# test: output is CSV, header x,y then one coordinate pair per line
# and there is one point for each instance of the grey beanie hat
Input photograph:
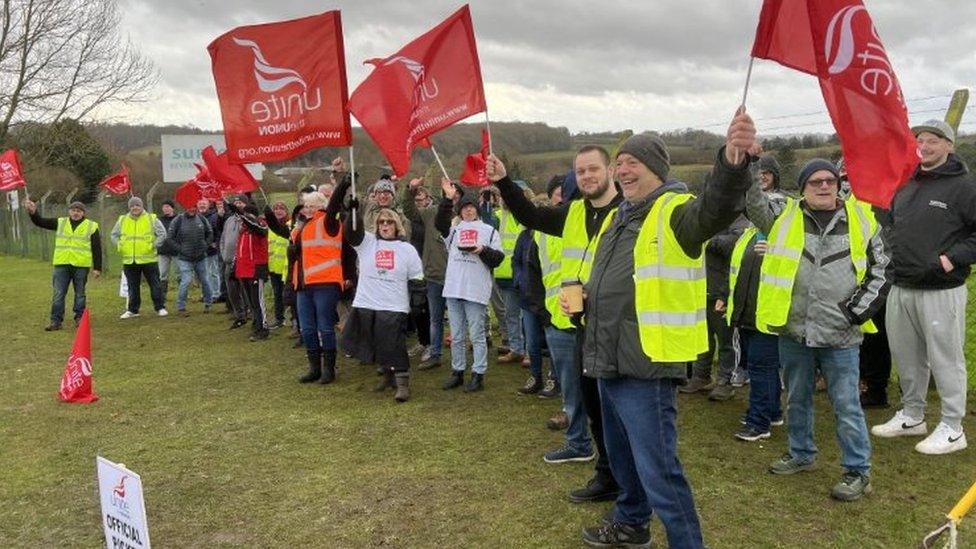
x,y
384,186
135,201
813,166
651,151
76,206
768,163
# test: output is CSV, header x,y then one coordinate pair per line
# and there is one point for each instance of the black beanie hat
x,y
554,183
768,163
467,199
813,166
651,151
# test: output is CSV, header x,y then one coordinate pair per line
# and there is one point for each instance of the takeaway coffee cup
x,y
573,293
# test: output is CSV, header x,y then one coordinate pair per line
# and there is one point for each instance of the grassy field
x,y
233,452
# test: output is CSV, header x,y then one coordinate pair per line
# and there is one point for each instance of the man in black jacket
x,y
933,245
192,235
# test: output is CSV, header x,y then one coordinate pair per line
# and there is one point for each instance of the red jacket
x,y
252,250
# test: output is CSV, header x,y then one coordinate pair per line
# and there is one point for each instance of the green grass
x,y
233,452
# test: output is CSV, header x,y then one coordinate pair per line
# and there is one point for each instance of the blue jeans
x,y
63,276
534,332
317,316
562,349
187,269
436,305
764,384
641,434
214,271
841,371
467,314
513,320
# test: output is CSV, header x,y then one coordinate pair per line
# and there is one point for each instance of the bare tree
x,y
64,58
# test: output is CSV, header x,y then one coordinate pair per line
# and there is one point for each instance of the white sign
x,y
14,199
179,152
123,508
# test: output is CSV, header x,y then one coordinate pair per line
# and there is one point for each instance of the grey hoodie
x,y
228,238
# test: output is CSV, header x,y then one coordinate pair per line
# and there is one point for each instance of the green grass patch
x,y
234,452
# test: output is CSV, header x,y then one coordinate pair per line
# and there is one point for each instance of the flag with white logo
x,y
76,381
11,174
430,84
835,40
282,88
118,182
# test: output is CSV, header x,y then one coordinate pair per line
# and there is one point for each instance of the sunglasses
x,y
820,182
385,222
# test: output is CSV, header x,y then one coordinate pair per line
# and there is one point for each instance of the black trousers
x,y
876,358
134,273
254,292
277,288
236,298
591,401
420,315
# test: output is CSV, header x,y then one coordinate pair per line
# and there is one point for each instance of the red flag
x,y
230,177
475,172
282,88
430,84
118,183
76,382
835,40
200,186
11,174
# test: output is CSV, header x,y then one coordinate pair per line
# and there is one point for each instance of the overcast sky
x,y
587,65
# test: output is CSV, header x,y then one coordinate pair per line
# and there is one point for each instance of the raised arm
x,y
548,219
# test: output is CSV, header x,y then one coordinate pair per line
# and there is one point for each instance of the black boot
x,y
456,380
328,367
602,487
388,381
314,367
477,383
402,387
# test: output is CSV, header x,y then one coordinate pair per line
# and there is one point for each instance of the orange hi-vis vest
x,y
321,253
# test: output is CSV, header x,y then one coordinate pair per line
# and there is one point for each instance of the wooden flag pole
x,y
745,94
439,163
352,176
488,129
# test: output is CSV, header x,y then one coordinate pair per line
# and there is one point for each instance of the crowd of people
x,y
629,284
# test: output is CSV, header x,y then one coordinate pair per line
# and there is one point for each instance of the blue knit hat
x,y
814,166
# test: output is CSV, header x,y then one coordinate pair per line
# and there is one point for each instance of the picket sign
x,y
123,506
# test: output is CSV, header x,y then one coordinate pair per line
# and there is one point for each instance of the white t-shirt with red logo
x,y
468,277
384,268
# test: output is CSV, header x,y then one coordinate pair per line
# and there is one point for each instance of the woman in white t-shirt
x,y
473,249
376,330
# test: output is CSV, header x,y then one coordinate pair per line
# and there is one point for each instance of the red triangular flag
x,y
475,172
76,382
430,84
11,174
835,40
230,177
118,182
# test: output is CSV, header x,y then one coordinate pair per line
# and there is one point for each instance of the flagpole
x,y
352,176
745,94
488,129
439,163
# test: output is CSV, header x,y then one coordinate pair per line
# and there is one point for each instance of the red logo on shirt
x,y
469,237
385,260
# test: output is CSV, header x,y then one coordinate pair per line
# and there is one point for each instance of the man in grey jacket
x,y
824,276
637,374
192,234
230,230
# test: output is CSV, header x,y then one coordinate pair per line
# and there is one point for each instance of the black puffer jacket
x,y
192,235
934,214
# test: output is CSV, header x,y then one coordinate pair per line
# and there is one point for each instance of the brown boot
x,y
510,357
387,381
402,387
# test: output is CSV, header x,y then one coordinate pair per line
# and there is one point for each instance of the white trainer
x,y
162,312
128,314
943,440
900,426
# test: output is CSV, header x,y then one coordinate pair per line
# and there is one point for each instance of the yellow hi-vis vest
x,y
782,261
277,254
578,250
138,241
509,230
735,263
73,246
669,288
551,258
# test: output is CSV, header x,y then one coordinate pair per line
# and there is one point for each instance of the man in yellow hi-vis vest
x,y
822,278
137,234
77,249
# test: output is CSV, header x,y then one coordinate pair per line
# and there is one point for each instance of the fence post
x,y
71,196
42,207
149,197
